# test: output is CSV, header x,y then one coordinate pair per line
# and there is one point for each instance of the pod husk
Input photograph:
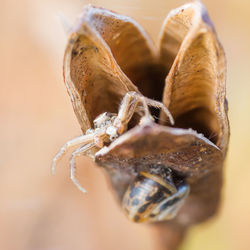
x,y
109,54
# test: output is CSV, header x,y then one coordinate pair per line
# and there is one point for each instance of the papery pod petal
x,y
195,85
185,151
104,53
95,82
131,47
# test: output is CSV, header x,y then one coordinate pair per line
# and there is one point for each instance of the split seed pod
x,y
109,55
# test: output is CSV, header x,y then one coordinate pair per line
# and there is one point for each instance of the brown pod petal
x,y
195,85
188,153
195,94
104,53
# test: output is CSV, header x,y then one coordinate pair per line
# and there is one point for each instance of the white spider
x,y
107,127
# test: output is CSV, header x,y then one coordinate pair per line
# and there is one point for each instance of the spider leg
x,y
83,139
160,105
129,106
79,151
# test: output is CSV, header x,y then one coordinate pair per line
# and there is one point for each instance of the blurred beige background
x,y
41,212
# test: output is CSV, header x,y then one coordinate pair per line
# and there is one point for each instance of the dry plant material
x,y
109,58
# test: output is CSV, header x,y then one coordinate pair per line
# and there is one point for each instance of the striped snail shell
x,y
154,197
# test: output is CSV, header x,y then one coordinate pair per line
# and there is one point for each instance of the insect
x,y
151,196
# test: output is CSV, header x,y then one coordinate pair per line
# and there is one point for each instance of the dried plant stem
x,y
169,237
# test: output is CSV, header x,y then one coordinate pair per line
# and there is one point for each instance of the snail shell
x,y
152,197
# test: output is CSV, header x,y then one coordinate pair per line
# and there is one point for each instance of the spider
x,y
107,128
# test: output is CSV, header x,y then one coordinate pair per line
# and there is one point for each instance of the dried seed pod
x,y
109,55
